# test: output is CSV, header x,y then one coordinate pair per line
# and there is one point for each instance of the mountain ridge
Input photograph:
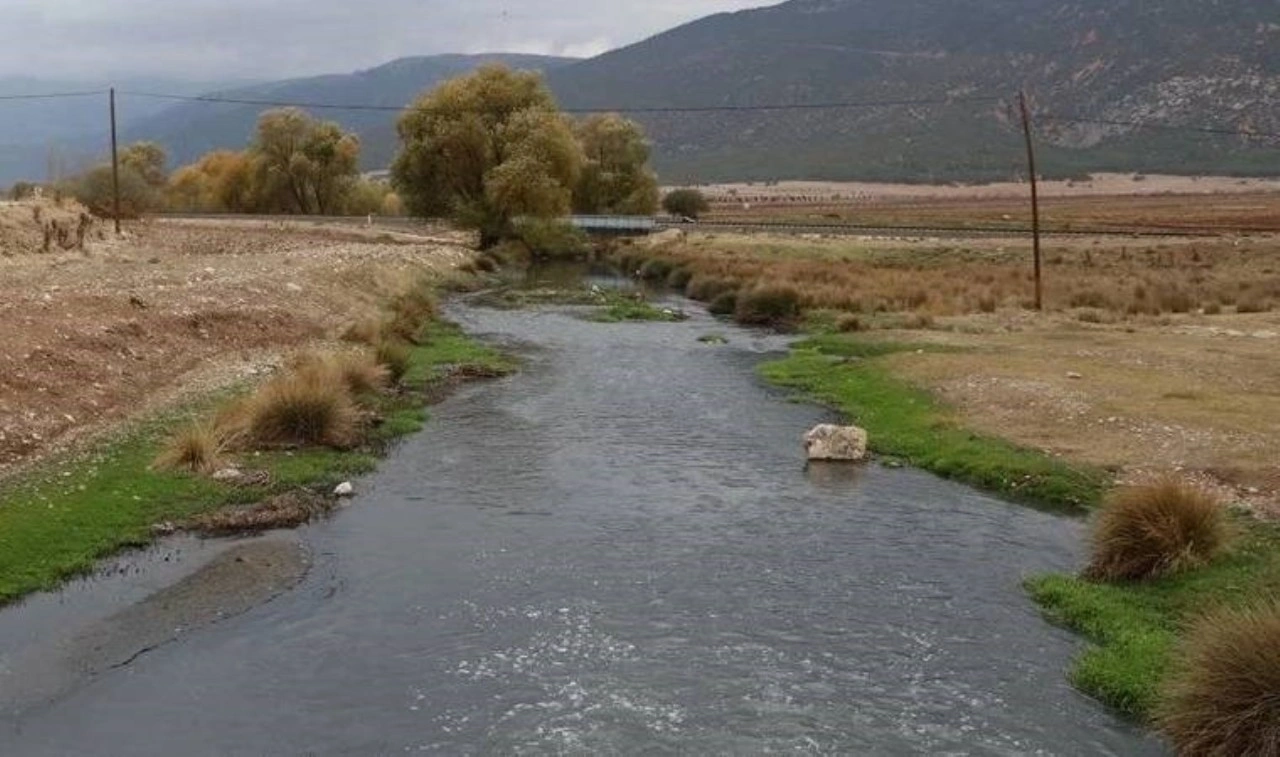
x,y
1089,67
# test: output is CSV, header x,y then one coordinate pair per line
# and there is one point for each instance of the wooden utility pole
x,y
1035,193
115,164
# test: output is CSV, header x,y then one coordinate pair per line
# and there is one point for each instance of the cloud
x,y
213,39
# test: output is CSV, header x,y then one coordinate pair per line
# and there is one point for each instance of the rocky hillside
x,y
1193,62
1183,62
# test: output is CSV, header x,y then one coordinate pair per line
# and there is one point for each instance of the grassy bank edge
x,y
907,423
58,520
1134,629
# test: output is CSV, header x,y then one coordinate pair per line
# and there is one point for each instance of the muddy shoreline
x,y
101,625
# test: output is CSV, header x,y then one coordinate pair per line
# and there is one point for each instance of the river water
x,y
621,551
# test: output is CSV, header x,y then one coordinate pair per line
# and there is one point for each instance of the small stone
x,y
227,474
344,489
292,287
1075,376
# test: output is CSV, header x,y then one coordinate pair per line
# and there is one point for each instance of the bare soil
x,y
175,309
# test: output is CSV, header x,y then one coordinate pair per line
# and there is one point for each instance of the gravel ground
x,y
175,309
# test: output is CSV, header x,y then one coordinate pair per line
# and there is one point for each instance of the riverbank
x,y
1048,409
58,519
1133,629
908,425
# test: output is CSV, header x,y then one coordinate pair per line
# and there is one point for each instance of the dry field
x,y
174,309
1107,202
1153,354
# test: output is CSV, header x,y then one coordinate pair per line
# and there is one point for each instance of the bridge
x,y
615,225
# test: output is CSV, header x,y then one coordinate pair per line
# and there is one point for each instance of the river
x,y
619,550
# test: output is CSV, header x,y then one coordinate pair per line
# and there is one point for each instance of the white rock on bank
x,y
836,443
344,489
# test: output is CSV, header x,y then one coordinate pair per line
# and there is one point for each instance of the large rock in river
x,y
836,443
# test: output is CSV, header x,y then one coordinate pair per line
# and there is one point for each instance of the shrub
x,y
396,357
1222,697
679,278
195,448
725,303
1176,301
685,202
656,270
1152,530
307,406
849,323
553,239
1253,304
767,304
708,288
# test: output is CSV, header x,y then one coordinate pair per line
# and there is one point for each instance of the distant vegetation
x,y
294,165
491,149
685,202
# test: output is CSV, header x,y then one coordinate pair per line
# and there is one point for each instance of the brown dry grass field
x,y
1153,354
1108,202
174,310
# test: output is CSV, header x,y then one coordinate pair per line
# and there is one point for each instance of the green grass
x,y
57,521
622,308
1134,628
909,424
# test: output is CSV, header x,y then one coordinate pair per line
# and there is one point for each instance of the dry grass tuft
x,y
306,406
362,372
767,305
1148,531
285,511
196,448
1223,697
409,314
395,357
368,331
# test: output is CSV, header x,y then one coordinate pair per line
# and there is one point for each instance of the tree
x,y
96,190
302,165
220,182
485,149
616,176
685,202
148,160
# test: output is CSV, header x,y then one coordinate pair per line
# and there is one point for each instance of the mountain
x,y
40,136
1213,63
191,129
1186,62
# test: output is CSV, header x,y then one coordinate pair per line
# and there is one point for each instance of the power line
x,y
621,109
1160,127
54,95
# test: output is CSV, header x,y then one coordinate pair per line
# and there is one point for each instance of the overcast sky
x,y
268,39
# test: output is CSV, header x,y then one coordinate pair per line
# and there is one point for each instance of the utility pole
x,y
115,164
1035,193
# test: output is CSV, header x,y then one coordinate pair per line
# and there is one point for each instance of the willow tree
x,y
302,165
615,177
485,149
